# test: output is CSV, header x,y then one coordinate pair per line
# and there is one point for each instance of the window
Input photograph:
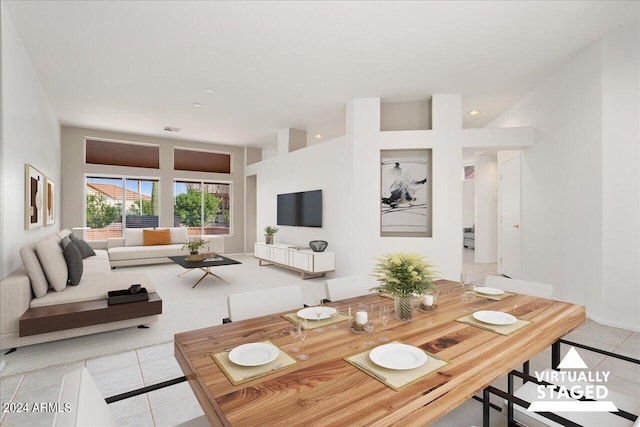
x,y
203,207
201,161
122,154
109,200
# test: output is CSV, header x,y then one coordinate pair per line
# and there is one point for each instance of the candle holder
x,y
429,302
362,318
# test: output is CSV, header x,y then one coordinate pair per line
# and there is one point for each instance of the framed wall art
x,y
405,193
49,201
34,188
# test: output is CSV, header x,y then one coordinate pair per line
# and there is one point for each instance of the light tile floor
x,y
172,405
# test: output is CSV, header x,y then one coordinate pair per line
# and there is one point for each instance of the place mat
x,y
496,297
312,324
239,374
499,329
396,379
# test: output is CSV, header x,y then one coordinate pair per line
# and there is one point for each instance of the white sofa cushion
x,y
53,263
98,264
39,283
94,287
133,237
142,252
179,235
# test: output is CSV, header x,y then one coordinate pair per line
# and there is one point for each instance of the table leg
x,y
184,272
207,271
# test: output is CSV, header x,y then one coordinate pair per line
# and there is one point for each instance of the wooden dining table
x,y
326,390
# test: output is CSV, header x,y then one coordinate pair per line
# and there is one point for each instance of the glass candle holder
x,y
429,301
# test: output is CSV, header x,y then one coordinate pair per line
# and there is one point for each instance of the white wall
x,y
30,134
326,166
580,180
486,207
348,171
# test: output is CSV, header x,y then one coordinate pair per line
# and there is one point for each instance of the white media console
x,y
304,260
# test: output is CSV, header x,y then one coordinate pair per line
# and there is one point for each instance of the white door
x,y
509,261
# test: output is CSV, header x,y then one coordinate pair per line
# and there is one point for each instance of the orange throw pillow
x,y
156,237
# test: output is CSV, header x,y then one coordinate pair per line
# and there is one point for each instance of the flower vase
x,y
403,307
268,238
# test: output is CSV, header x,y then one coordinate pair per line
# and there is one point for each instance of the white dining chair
x,y
535,289
348,287
260,302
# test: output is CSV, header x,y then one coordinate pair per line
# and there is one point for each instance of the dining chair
x,y
82,404
348,287
535,289
260,302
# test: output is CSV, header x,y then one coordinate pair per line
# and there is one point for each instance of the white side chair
x,y
260,302
349,287
86,406
535,289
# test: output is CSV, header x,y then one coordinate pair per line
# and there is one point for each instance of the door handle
x,y
516,225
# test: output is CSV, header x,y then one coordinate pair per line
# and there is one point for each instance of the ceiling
x,y
140,66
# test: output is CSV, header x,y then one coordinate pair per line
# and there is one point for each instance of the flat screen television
x,y
302,209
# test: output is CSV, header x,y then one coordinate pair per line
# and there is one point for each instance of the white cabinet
x,y
300,259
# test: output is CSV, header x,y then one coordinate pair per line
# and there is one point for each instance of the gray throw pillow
x,y
39,283
84,247
53,263
73,257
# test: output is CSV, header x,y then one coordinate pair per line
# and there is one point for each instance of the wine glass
x,y
468,294
294,331
319,309
369,327
384,319
334,314
302,335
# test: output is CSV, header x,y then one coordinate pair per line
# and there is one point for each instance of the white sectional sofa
x,y
37,305
131,250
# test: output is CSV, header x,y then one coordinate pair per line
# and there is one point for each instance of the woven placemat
x,y
496,297
239,374
499,329
312,324
396,379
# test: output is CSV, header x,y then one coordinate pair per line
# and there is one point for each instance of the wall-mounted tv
x,y
303,209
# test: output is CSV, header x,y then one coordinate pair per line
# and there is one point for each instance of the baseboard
x,y
627,326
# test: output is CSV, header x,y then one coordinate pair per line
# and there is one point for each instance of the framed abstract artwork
x,y
34,188
405,193
49,201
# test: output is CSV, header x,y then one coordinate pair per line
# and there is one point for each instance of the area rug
x,y
184,308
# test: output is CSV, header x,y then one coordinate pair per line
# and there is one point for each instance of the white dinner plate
x,y
254,354
398,356
488,291
309,313
494,317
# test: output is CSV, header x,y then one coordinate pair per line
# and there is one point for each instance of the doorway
x,y
509,237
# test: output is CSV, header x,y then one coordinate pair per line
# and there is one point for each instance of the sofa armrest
x,y
115,242
15,297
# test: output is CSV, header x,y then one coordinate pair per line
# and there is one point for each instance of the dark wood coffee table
x,y
204,265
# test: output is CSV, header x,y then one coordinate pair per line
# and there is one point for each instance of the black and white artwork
x,y
405,193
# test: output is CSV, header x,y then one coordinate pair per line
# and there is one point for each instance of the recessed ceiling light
x,y
171,129
318,136
197,104
474,112
210,91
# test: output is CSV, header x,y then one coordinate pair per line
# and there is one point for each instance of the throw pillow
x,y
133,237
156,237
36,275
83,246
73,257
53,263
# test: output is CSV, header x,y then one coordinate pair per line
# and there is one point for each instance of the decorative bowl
x,y
318,245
